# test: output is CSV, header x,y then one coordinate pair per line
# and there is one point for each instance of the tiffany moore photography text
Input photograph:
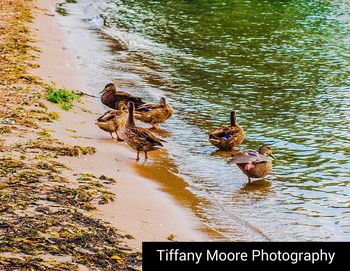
x,y
254,255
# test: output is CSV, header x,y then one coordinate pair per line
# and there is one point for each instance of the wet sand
x,y
141,208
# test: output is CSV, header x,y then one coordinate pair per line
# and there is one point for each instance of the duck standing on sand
x,y
154,113
228,137
113,121
140,139
255,165
113,98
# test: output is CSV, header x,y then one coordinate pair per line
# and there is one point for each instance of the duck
x,y
138,138
113,121
154,113
113,98
255,164
228,137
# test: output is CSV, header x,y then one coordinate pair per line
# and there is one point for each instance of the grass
x,y
64,97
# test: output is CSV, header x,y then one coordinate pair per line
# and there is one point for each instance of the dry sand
x,y
141,208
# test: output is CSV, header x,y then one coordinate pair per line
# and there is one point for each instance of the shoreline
x,y
141,208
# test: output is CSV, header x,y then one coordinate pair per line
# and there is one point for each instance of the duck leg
x,y
118,137
138,156
111,135
146,156
154,126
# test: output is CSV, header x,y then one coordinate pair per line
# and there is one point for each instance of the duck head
x,y
233,119
122,106
162,101
109,87
266,150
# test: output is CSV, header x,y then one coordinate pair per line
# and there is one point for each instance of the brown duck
x,y
154,113
140,139
228,137
255,165
113,98
113,121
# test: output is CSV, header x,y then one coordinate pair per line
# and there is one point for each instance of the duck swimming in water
x,y
255,165
140,139
113,98
113,121
228,137
154,113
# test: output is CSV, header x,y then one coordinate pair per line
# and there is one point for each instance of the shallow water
x,y
282,65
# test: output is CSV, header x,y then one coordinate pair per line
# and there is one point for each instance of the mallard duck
x,y
113,121
140,139
154,113
112,98
228,137
255,165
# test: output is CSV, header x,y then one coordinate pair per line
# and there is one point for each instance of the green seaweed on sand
x,y
45,143
9,165
5,130
45,222
52,166
60,227
62,96
54,115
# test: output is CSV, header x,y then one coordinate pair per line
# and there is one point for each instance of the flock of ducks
x,y
125,108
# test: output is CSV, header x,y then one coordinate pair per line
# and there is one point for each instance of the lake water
x,y
282,65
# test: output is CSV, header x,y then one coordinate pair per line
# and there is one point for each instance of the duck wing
x,y
249,157
112,99
226,131
146,135
126,97
110,114
147,107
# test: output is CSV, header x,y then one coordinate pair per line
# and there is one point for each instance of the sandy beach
x,y
72,198
141,208
262,78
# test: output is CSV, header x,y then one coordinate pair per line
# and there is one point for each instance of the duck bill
x,y
274,157
231,161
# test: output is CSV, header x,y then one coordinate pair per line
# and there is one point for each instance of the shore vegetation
x,y
45,206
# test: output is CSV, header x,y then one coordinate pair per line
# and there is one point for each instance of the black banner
x,y
224,255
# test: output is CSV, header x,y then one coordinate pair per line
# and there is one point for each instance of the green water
x,y
284,67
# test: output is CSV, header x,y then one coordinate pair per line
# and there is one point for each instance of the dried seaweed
x,y
45,222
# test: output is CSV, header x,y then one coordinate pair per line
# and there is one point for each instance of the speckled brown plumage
x,y
154,113
255,165
113,98
113,121
138,138
227,137
260,169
